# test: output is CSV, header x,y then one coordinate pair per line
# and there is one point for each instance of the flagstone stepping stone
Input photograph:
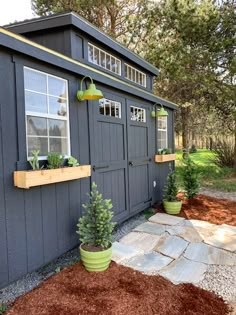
x,y
149,263
207,254
171,245
151,228
184,271
188,233
222,239
199,223
141,241
122,251
227,229
167,219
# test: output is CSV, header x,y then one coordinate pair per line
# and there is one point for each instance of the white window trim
x,y
49,116
143,75
165,130
117,61
135,108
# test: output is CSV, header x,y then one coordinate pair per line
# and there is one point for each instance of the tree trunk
x,y
185,113
235,148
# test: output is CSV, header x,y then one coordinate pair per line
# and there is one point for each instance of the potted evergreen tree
x,y
95,231
171,203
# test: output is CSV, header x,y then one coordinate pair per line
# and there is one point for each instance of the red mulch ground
x,y
117,291
214,210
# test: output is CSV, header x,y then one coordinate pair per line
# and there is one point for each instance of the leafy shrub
x,y
193,149
190,178
171,188
55,160
3,308
73,161
164,151
224,152
95,226
34,161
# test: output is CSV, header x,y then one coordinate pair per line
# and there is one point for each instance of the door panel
x,y
139,158
109,155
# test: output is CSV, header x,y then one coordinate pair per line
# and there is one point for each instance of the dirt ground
x,y
206,208
117,291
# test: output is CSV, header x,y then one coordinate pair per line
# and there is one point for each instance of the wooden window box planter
x,y
27,179
161,158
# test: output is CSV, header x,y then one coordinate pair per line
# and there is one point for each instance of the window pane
x,y
117,66
126,71
58,145
108,62
57,128
113,64
36,126
57,87
57,106
37,143
90,53
96,56
35,102
103,59
35,81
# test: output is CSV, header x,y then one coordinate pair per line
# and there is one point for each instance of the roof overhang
x,y
73,19
27,47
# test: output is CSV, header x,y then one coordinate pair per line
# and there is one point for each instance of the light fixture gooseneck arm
x,y
81,83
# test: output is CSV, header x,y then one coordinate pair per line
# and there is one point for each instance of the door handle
x,y
148,160
131,163
95,168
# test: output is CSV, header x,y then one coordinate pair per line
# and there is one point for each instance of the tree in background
x,y
194,47
125,20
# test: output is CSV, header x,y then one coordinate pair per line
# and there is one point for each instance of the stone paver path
x,y
180,250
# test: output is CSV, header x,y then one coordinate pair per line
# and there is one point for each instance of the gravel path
x,y
221,280
218,194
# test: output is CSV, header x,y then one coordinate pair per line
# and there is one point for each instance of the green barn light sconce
x,y
159,113
91,93
162,112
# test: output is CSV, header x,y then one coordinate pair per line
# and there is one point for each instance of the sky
x,y
15,10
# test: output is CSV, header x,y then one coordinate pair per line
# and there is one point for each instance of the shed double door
x,y
120,156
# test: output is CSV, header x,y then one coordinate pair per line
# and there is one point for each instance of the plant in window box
x,y
171,203
95,231
56,171
164,155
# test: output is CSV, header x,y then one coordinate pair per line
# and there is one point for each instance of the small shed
x,y
115,139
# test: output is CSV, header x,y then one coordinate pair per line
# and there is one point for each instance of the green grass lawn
x,y
210,175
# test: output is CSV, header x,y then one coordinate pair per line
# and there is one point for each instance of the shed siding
x,y
39,224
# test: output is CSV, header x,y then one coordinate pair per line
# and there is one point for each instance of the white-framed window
x,y
135,75
137,114
47,115
162,136
109,108
103,59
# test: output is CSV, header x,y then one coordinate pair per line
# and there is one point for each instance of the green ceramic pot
x,y
96,261
172,207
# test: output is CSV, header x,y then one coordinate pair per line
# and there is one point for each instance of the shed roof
x,y
23,45
73,19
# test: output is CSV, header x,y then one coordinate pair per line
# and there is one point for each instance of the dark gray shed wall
x,y
38,224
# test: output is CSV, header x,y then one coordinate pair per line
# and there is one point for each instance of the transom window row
x,y
135,75
104,59
137,114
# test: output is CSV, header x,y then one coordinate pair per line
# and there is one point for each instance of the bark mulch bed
x,y
206,208
117,291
